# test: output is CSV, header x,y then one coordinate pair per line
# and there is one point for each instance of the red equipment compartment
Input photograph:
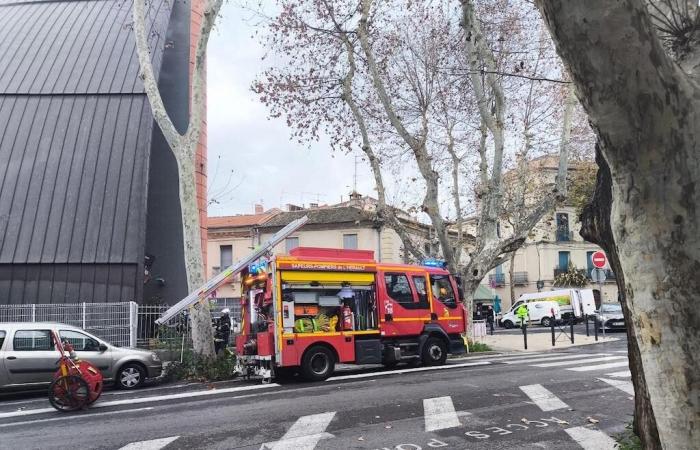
x,y
266,346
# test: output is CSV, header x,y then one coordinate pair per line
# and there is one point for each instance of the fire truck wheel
x,y
130,376
318,363
434,352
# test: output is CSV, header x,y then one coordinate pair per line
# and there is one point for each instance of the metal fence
x,y
125,324
113,322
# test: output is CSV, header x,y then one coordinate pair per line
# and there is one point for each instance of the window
x,y
563,227
32,340
442,290
426,249
291,243
80,342
589,263
2,338
564,261
398,288
350,241
226,256
421,289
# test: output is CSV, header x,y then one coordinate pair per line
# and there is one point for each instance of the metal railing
x,y
497,279
113,322
519,278
564,236
558,271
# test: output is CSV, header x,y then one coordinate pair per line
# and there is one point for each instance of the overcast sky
x,y
266,165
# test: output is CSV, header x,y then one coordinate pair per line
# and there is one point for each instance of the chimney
x,y
354,195
291,207
258,208
313,205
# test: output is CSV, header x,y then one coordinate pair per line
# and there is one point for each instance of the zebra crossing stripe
x,y
599,367
543,359
154,444
585,361
304,434
621,374
439,414
623,385
590,439
543,398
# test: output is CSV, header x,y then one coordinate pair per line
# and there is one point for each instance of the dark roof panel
x,y
74,46
343,214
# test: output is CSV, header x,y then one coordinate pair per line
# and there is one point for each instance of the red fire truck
x,y
317,307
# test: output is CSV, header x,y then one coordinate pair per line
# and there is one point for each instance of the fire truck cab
x,y
317,307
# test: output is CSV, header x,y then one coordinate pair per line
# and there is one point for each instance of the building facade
x,y
552,247
88,186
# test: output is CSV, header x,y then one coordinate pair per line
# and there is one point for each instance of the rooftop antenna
x,y
354,177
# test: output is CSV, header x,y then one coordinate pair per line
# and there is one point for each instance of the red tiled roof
x,y
242,220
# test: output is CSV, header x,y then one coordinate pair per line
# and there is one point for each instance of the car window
x,y
32,340
421,288
2,338
514,307
398,288
80,342
442,290
611,308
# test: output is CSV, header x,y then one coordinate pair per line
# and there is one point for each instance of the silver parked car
x,y
610,317
28,357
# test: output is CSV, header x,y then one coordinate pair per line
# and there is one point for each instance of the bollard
x,y
573,319
586,318
595,328
552,326
524,326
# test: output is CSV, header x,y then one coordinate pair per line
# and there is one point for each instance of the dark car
x,y
610,317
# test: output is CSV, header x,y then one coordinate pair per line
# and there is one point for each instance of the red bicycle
x,y
77,384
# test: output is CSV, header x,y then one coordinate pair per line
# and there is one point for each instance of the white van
x,y
572,302
540,311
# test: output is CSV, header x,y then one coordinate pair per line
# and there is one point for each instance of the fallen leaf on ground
x,y
592,420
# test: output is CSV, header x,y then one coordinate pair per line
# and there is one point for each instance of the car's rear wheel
x,y
507,324
130,376
546,321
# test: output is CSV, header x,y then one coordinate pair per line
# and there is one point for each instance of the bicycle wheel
x,y
69,393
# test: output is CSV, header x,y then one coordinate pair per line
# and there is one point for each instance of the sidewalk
x,y
537,342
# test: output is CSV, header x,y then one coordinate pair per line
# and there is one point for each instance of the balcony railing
x,y
519,278
564,236
558,271
497,279
609,275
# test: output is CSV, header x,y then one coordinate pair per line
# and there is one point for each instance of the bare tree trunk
x,y
646,113
596,228
184,148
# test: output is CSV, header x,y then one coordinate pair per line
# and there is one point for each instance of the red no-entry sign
x,y
599,259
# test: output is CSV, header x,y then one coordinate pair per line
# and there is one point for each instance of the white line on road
x,y
583,361
439,413
621,374
591,439
623,385
72,417
599,367
154,444
158,398
400,371
543,398
554,358
304,434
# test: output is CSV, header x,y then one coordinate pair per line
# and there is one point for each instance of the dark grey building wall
x,y
76,137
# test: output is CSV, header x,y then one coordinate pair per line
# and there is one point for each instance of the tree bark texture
x,y
596,228
184,148
646,113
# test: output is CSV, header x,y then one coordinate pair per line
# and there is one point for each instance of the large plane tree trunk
x,y
596,228
646,113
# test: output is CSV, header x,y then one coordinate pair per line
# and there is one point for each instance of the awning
x,y
483,293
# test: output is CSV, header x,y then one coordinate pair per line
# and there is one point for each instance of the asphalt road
x,y
546,400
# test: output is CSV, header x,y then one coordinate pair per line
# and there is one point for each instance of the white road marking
x,y
554,358
72,417
599,367
621,374
582,361
440,413
591,439
304,434
158,398
154,444
543,397
417,369
497,357
623,385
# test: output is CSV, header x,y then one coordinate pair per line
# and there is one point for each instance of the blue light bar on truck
x,y
432,262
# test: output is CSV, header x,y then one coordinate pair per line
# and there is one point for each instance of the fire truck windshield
x,y
442,290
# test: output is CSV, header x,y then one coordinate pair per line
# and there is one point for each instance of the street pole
x,y
586,319
572,329
552,326
524,327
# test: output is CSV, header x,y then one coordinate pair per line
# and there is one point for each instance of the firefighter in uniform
x,y
522,314
223,331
